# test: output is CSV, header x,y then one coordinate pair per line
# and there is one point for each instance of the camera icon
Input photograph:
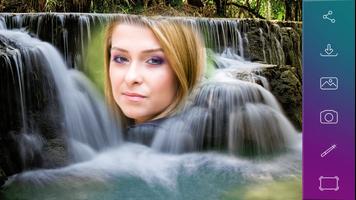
x,y
329,117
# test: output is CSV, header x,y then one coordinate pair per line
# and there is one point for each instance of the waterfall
x,y
61,32
228,59
82,112
263,44
257,129
2,23
219,34
241,50
280,53
225,114
223,36
231,132
234,66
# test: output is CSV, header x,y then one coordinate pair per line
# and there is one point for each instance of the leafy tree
x,y
264,9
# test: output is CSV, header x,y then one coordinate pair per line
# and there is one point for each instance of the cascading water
x,y
58,34
263,44
137,172
228,59
220,33
224,115
2,23
84,116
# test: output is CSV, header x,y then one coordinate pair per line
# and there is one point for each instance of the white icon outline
x,y
328,188
328,150
326,114
326,16
329,52
329,81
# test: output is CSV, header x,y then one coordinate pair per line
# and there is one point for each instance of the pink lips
x,y
134,96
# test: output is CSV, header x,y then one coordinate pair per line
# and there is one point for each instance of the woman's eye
x,y
120,59
155,61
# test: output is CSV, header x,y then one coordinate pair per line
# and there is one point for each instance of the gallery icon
x,y
329,83
328,52
328,16
329,117
329,183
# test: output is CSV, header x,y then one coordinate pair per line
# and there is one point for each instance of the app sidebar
x,y
329,100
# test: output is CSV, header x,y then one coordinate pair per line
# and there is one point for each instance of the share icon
x,y
328,16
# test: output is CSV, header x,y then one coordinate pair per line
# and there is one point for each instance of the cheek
x,y
116,78
165,87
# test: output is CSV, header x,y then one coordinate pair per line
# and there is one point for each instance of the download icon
x,y
328,52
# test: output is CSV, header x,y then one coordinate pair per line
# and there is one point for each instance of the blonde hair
x,y
183,49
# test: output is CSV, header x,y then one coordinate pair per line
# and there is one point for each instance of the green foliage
x,y
278,10
210,65
268,9
94,62
51,5
176,3
277,190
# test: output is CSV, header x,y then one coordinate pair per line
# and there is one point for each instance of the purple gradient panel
x,y
328,149
319,137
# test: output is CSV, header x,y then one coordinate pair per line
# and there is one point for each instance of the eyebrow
x,y
145,51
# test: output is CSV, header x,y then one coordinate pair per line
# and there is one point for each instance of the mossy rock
x,y
287,88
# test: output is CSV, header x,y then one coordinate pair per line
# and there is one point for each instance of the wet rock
x,y
286,86
292,48
279,43
257,47
55,153
274,42
2,177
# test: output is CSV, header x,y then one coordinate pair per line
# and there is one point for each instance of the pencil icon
x,y
327,151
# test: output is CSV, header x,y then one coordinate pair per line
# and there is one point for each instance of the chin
x,y
133,115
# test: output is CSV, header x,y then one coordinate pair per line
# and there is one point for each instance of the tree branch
x,y
250,10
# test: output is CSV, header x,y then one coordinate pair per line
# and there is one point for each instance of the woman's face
x,y
143,83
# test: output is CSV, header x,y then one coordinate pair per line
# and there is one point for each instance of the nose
x,y
133,75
